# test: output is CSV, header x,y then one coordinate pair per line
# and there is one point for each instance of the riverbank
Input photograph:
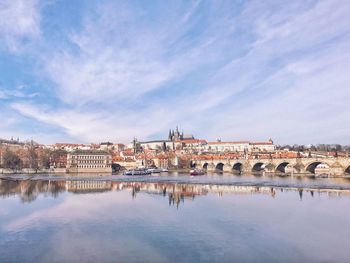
x,y
33,171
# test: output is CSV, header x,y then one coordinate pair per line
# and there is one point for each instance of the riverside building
x,y
240,146
89,162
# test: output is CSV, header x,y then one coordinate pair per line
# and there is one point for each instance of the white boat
x,y
158,170
154,170
138,171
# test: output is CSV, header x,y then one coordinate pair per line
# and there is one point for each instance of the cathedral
x,y
174,140
175,135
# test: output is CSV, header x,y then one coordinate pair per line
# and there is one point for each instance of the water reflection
x,y
29,190
111,221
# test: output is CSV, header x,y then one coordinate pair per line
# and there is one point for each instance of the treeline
x,y
316,148
31,157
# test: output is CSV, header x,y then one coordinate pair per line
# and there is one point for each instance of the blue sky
x,y
91,71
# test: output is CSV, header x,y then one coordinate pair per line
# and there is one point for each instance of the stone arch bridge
x,y
337,166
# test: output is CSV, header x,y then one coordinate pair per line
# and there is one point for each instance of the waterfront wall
x,y
33,171
90,170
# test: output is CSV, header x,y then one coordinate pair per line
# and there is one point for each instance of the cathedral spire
x,y
169,136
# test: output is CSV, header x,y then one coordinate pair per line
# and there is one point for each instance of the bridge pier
x,y
211,167
336,169
299,167
247,168
227,167
270,168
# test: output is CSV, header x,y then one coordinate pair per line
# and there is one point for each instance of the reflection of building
x,y
181,191
28,190
88,186
89,162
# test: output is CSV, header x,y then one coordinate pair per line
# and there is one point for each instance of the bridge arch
x,y
237,167
258,167
193,164
311,167
116,167
282,167
219,167
347,170
205,166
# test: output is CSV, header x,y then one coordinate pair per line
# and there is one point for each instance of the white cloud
x,y
112,62
302,100
96,126
18,93
20,21
119,56
266,71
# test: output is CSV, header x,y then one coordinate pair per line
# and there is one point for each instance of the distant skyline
x,y
92,71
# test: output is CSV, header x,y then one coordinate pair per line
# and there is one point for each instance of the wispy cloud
x,y
219,69
117,57
20,22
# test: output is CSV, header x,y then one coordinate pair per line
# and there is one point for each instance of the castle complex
x,y
188,143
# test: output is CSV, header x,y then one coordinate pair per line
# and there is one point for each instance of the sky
x,y
93,71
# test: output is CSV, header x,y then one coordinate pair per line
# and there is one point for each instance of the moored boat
x,y
138,171
154,170
158,170
196,172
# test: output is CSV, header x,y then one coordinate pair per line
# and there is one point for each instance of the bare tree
x,y
44,159
11,160
33,158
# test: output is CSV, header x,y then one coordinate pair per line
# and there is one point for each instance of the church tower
x,y
170,136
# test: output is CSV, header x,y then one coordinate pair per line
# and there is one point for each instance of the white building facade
x,y
240,146
89,162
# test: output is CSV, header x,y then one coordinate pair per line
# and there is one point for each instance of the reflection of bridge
x,y
333,166
29,190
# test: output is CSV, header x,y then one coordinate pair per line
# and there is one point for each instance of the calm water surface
x,y
84,220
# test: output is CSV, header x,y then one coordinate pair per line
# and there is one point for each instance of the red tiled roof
x,y
261,143
68,144
237,142
193,141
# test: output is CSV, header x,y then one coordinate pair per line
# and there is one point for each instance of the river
x,y
174,218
